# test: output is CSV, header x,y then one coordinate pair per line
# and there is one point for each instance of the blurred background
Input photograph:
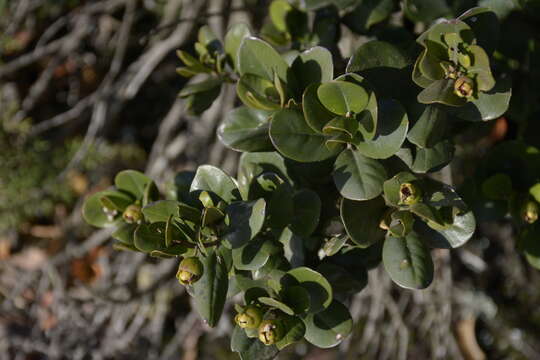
x,y
89,87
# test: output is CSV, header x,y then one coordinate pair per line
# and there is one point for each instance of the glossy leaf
x,y
316,115
361,220
307,210
430,126
408,261
342,97
314,65
233,40
210,178
245,129
259,58
329,327
358,177
210,292
432,159
320,291
391,131
246,220
294,139
133,182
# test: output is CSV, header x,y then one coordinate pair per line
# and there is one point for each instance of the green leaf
x,y
334,244
328,328
210,292
344,282
246,221
213,179
233,39
432,159
485,25
200,101
161,210
455,233
125,233
316,115
442,92
367,119
150,237
207,85
367,14
342,97
489,105
319,289
358,177
293,138
133,182
251,348
386,67
481,68
295,330
425,10
93,208
259,58
408,261
361,220
293,247
258,93
252,165
296,298
535,191
314,65
276,304
307,210
254,254
390,134
246,129
430,128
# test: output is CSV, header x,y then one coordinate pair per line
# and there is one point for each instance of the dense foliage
x,y
335,175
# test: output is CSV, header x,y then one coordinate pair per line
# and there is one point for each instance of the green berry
x,y
190,271
271,331
250,318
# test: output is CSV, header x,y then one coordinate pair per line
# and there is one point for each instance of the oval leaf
x,y
408,261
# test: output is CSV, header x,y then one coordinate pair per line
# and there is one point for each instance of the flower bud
x,y
133,214
464,87
409,194
529,211
271,331
250,318
190,271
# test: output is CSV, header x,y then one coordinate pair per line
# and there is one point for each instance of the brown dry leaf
x,y
87,268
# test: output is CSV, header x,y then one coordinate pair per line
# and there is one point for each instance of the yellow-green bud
x,y
190,271
409,194
464,87
133,214
529,211
250,318
464,60
271,331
